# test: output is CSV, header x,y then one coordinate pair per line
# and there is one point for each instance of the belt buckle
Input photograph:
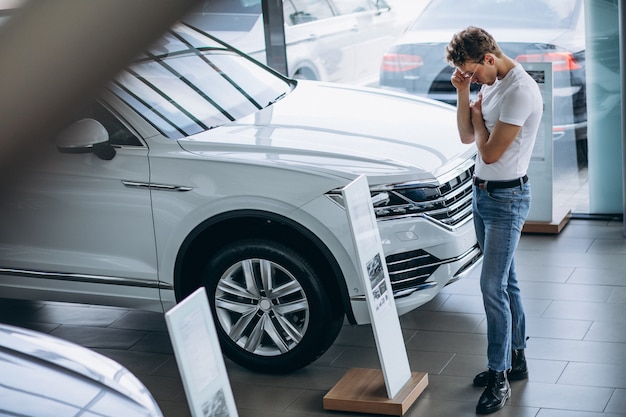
x,y
481,184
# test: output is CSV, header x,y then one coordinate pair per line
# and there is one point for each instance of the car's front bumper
x,y
440,254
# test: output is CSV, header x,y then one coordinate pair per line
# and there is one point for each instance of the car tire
x,y
272,312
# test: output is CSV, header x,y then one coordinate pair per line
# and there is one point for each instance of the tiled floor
x,y
574,286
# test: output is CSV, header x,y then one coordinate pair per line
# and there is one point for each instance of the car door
x,y
319,44
74,223
374,28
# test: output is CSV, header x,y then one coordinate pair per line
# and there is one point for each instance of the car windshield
x,y
190,82
540,14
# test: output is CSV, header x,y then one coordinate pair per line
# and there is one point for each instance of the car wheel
x,y
272,311
304,74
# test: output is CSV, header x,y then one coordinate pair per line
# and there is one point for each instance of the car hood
x,y
43,375
343,131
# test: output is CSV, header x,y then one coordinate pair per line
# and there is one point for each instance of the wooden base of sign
x,y
554,227
363,391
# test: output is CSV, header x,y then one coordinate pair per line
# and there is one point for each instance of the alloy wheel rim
x,y
262,307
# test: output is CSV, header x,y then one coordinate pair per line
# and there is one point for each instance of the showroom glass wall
x,y
351,41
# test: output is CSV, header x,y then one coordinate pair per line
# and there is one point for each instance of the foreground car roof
x,y
41,375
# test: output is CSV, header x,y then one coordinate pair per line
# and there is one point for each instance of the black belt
x,y
492,185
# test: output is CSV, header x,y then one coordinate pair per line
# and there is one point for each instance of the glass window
x,y
542,14
225,15
119,134
353,6
304,11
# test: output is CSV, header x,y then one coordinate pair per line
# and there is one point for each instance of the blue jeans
x,y
498,218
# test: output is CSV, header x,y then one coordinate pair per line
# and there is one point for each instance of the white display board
x,y
199,357
541,168
374,274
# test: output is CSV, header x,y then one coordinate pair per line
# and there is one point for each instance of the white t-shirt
x,y
515,99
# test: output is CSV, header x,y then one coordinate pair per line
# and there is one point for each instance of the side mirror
x,y
83,136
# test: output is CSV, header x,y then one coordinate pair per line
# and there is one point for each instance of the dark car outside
x,y
528,31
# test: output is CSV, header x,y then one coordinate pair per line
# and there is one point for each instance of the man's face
x,y
481,72
468,70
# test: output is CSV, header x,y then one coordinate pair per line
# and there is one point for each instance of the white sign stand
x,y
199,357
362,390
544,216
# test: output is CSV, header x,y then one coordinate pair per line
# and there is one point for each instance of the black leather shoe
x,y
496,393
518,371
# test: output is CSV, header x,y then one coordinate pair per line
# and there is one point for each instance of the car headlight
x,y
447,201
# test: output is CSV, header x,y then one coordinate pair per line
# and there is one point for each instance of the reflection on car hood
x,y
343,131
41,375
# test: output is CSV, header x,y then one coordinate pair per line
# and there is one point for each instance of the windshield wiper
x,y
280,97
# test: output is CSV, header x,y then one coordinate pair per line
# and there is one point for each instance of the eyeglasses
x,y
470,76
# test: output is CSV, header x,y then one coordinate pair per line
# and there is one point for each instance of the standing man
x,y
503,123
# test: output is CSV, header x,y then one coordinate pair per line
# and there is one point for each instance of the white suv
x,y
200,167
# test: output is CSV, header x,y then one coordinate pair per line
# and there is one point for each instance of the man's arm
x,y
491,145
463,115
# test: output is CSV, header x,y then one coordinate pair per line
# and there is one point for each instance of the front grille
x,y
449,203
409,270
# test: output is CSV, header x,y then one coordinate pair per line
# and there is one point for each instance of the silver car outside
x,y
325,40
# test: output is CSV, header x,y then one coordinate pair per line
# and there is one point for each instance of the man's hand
x,y
476,108
460,81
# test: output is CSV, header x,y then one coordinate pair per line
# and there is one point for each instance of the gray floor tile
x,y
567,292
608,246
472,304
441,321
618,296
546,412
265,399
576,351
154,342
577,310
138,362
555,244
358,357
79,315
569,259
602,331
558,396
544,273
617,404
605,275
556,328
429,362
594,375
99,337
451,342
141,320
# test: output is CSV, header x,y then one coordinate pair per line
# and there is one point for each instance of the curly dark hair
x,y
471,45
